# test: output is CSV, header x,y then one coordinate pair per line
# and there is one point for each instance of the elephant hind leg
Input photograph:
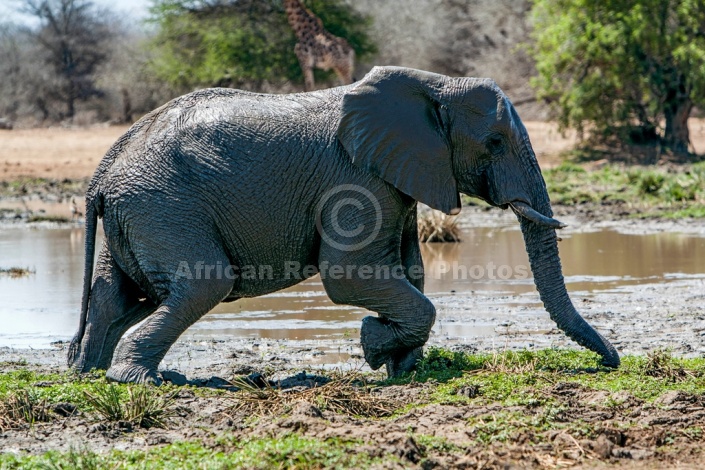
x,y
116,304
139,354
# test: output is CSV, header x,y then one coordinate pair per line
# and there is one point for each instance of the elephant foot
x,y
82,359
378,341
403,362
133,373
74,355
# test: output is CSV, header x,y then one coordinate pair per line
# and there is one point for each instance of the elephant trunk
x,y
542,246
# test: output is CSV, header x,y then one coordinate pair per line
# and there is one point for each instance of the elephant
x,y
222,194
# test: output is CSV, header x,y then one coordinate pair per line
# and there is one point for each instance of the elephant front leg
x,y
405,320
366,248
395,338
406,360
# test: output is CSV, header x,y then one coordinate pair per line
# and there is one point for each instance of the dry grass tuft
x,y
15,272
660,363
22,407
437,227
342,395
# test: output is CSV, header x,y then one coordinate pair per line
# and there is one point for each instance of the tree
x,y
73,38
622,67
11,86
241,43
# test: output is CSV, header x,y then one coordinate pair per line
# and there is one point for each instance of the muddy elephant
x,y
222,194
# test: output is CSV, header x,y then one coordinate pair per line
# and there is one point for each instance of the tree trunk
x,y
126,106
676,111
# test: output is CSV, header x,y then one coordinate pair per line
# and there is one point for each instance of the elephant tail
x,y
91,228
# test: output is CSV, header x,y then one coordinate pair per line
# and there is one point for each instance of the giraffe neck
x,y
301,19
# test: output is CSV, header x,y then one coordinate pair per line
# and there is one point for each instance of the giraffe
x,y
316,47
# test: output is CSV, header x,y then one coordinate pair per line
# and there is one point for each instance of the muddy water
x,y
489,267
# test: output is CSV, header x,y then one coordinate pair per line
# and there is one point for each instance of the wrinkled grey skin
x,y
224,177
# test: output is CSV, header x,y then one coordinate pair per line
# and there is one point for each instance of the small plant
x,y
436,227
682,189
511,362
107,401
661,364
650,182
23,406
148,409
441,365
143,406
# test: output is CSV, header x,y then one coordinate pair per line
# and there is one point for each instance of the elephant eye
x,y
495,145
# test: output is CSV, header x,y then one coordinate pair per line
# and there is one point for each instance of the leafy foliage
x,y
620,67
243,43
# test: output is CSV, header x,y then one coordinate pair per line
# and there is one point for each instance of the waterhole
x,y
490,268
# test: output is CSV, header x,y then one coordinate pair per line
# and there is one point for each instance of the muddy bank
x,y
589,217
560,418
636,319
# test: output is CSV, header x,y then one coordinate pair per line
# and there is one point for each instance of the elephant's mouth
x,y
525,210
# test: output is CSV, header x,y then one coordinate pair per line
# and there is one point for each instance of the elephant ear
x,y
391,125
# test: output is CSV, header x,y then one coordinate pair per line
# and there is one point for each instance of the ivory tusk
x,y
528,212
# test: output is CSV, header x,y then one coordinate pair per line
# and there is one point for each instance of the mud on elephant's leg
x,y
116,304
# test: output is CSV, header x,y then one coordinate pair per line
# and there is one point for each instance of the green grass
x,y
513,395
61,387
525,379
670,191
291,451
520,378
139,405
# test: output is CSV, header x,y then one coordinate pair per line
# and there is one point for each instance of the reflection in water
x,y
41,307
44,306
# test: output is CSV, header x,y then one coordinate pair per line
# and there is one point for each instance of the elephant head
x,y
433,136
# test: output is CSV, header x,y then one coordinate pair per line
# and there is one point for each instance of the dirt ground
x,y
628,432
56,153
60,153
